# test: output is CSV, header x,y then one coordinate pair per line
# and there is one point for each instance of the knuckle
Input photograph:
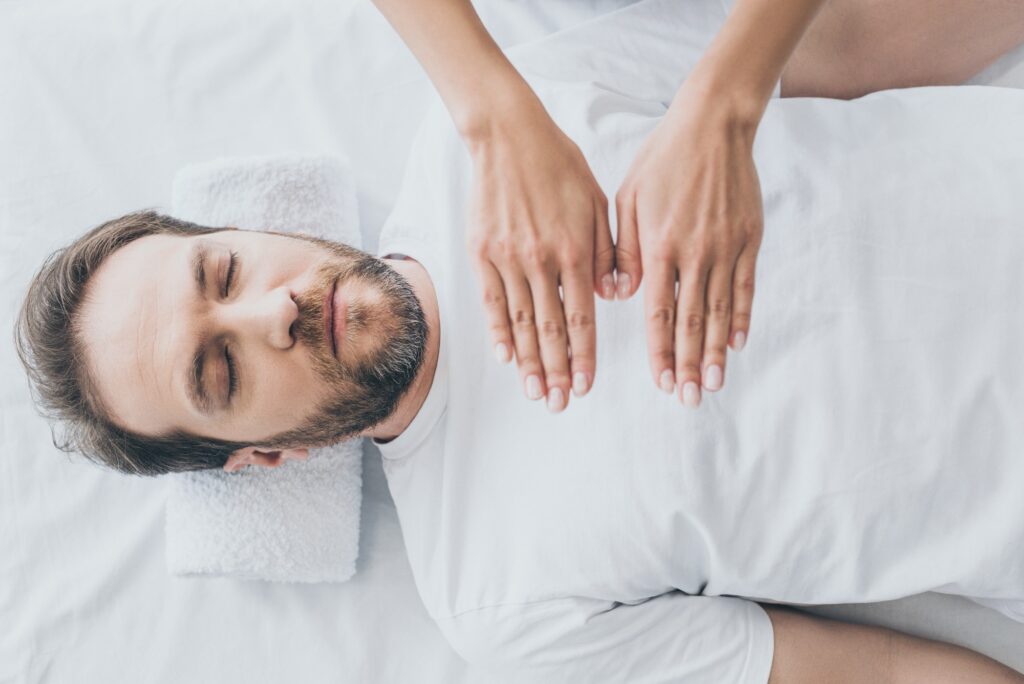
x,y
715,354
662,358
688,369
751,223
579,320
661,316
502,248
571,259
719,308
534,254
557,378
697,255
493,298
693,323
530,365
499,331
742,319
581,362
523,319
551,329
745,284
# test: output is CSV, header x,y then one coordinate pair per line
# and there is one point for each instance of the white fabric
x,y
103,102
298,522
866,446
312,194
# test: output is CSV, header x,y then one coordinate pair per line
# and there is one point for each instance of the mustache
x,y
312,313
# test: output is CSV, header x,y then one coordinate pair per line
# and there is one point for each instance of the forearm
x,y
746,59
853,47
812,649
471,73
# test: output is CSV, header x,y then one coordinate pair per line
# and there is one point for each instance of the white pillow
x,y
298,522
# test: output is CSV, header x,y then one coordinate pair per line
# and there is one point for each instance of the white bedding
x,y
101,104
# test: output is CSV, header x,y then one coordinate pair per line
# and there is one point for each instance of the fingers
x,y
717,319
689,331
525,313
579,317
524,333
743,295
604,254
628,268
660,315
554,341
532,324
496,308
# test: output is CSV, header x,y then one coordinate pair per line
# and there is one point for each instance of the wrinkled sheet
x,y
102,103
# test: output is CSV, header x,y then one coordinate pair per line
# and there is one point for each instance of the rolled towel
x,y
307,194
298,522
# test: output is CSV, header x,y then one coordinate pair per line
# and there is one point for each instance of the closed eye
x,y
232,262
232,375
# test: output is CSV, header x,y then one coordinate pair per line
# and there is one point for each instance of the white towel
x,y
298,522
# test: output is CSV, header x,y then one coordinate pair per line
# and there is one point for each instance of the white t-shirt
x,y
867,444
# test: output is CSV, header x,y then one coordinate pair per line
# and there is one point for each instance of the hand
x,y
538,219
690,207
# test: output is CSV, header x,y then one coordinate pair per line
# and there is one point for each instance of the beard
x,y
383,347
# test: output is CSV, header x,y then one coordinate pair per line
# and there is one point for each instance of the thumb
x,y
627,245
604,252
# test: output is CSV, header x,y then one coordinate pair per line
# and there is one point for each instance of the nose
x,y
265,318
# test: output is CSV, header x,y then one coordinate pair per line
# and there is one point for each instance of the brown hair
x,y
47,338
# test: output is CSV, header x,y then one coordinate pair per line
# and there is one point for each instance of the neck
x,y
411,402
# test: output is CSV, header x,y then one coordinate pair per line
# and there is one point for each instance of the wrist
x,y
493,101
717,101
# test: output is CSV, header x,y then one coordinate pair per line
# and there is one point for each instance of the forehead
x,y
128,325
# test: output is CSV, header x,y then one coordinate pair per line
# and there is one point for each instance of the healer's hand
x,y
538,219
690,208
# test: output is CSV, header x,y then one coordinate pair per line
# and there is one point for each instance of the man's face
x,y
145,322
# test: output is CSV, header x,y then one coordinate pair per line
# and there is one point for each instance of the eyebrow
x,y
198,261
195,389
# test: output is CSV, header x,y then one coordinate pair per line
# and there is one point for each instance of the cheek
x,y
288,387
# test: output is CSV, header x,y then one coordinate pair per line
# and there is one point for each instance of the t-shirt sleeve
x,y
673,637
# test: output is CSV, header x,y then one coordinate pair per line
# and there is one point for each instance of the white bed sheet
x,y
101,104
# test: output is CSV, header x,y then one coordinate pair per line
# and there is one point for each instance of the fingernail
x,y
691,394
668,381
624,281
713,377
556,400
608,284
533,387
501,351
579,383
740,340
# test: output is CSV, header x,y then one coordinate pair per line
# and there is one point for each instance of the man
x,y
606,543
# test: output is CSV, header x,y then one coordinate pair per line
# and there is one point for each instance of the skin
x,y
812,649
540,223
142,316
137,323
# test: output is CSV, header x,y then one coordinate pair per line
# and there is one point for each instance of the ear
x,y
269,458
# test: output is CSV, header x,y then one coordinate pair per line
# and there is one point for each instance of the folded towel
x,y
298,522
307,194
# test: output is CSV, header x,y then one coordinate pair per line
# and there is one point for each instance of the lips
x,y
338,317
329,319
